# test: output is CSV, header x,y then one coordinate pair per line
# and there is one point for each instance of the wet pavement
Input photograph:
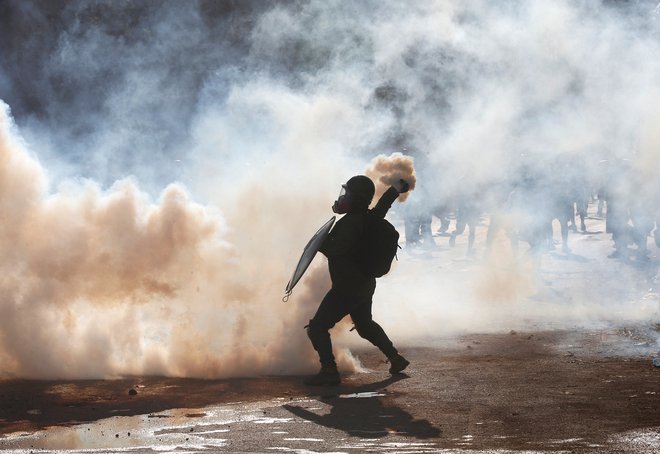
x,y
515,392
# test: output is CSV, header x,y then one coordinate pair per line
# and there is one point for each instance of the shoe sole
x,y
399,370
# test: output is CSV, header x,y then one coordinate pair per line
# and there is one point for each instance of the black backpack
x,y
379,246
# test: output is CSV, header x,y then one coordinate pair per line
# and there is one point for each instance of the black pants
x,y
332,309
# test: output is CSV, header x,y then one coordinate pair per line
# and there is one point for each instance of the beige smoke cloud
x,y
79,250
386,171
104,283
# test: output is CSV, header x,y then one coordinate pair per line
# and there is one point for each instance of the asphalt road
x,y
534,392
543,389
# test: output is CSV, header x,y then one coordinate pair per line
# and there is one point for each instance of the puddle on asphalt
x,y
361,395
211,432
166,432
271,420
304,439
644,441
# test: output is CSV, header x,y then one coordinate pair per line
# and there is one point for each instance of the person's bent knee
x,y
315,330
364,329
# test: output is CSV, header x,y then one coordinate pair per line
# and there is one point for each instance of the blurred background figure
x,y
417,218
580,187
468,213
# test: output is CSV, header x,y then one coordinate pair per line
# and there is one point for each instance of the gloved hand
x,y
401,186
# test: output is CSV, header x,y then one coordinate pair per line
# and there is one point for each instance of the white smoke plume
x,y
170,160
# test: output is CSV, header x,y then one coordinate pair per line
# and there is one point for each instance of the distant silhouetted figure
x,y
617,220
579,206
417,220
562,210
442,210
467,215
535,209
502,203
642,213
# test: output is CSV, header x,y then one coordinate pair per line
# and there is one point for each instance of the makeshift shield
x,y
307,256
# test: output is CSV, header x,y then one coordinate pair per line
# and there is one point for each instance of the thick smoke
x,y
390,170
103,283
170,159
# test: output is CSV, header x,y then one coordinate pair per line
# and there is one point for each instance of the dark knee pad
x,y
315,331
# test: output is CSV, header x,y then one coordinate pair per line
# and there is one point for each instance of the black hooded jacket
x,y
343,244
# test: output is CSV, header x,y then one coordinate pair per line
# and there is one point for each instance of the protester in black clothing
x,y
468,214
417,220
442,210
503,203
561,209
579,189
352,290
617,217
642,213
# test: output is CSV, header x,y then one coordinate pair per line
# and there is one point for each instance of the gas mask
x,y
343,202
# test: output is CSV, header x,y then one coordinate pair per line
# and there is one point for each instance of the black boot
x,y
397,363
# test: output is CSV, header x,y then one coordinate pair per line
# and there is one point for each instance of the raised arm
x,y
385,202
387,199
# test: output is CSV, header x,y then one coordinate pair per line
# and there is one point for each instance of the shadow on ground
x,y
364,413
